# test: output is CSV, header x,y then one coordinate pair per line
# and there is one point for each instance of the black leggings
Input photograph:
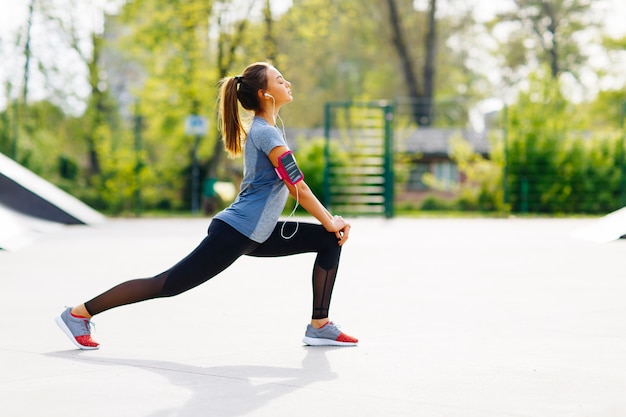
x,y
222,246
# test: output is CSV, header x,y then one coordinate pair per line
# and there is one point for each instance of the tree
x,y
169,41
429,42
608,110
336,51
407,63
431,54
422,97
545,31
87,44
20,105
27,51
269,38
65,37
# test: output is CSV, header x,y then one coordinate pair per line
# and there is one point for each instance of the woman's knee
x,y
328,257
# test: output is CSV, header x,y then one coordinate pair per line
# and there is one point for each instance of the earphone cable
x,y
282,228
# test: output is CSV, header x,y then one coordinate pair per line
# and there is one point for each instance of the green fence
x,y
564,172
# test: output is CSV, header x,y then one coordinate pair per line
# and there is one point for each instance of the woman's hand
x,y
340,227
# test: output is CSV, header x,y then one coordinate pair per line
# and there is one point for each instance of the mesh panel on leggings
x,y
323,283
126,293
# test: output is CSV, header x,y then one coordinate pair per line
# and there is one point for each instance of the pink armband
x,y
288,170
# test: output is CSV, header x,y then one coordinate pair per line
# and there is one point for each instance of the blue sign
x,y
196,125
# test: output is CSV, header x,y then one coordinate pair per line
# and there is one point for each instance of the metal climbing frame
x,y
359,177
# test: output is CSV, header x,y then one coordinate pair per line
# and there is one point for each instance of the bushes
x,y
312,161
551,167
544,164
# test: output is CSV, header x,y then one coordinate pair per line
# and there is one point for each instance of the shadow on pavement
x,y
227,391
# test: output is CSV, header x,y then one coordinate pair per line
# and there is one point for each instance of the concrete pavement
x,y
457,317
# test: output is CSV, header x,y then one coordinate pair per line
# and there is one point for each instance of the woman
x,y
250,225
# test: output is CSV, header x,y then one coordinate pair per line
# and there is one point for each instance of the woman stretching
x,y
250,225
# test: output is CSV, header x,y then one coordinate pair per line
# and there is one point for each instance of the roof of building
x,y
437,141
427,141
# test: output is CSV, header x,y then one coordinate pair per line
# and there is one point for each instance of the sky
x,y
13,14
13,17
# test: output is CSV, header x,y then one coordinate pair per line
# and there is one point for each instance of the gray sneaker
x,y
77,329
328,335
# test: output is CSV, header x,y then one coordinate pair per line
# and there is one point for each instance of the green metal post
x,y
195,176
389,166
505,169
327,123
138,160
524,192
16,129
623,156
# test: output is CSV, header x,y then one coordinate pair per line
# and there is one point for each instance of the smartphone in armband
x,y
288,170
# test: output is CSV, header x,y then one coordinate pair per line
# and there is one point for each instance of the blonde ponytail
x,y
231,127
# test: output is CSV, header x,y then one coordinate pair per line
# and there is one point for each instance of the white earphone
x,y
282,229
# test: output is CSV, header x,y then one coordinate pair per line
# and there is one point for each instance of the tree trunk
x,y
97,104
406,62
269,40
429,66
552,47
27,51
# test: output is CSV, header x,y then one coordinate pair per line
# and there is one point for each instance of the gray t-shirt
x,y
263,195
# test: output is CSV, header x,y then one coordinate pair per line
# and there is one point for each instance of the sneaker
x,y
78,329
328,335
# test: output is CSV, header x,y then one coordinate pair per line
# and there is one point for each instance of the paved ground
x,y
463,317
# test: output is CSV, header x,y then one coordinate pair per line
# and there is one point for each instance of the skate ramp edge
x,y
31,206
25,192
18,230
606,229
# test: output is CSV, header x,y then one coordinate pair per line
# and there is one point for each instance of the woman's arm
x,y
311,203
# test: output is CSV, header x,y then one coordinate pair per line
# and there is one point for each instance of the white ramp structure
x,y
606,229
18,230
29,204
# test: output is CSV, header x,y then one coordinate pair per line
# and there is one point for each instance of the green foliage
x,y
311,159
481,185
551,166
42,134
336,76
170,41
175,51
312,162
432,203
482,188
6,138
608,110
546,32
343,51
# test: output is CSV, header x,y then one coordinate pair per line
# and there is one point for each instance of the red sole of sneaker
x,y
68,333
315,341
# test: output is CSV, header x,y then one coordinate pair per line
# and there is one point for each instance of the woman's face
x,y
278,87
